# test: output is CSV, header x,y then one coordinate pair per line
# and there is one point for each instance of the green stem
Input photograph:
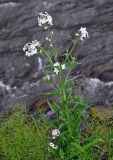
x,y
49,57
67,110
68,73
109,149
54,50
70,52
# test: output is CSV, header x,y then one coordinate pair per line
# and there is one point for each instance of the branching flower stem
x,y
70,52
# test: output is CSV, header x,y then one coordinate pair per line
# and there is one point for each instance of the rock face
x,y
20,77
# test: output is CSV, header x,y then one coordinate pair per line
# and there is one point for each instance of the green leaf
x,y
90,144
54,108
72,156
78,147
61,153
62,116
78,121
51,94
49,122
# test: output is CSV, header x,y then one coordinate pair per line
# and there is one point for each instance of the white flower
x,y
31,52
27,46
47,38
56,64
53,145
44,18
51,45
56,70
58,67
55,133
63,66
51,32
36,43
46,27
31,48
83,33
77,34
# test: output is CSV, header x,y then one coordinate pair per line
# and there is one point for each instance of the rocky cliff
x,y
20,76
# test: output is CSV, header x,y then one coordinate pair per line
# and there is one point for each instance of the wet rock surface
x,y
20,77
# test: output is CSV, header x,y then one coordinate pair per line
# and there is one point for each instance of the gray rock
x,y
18,25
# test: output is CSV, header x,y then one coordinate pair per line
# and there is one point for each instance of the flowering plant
x,y
65,140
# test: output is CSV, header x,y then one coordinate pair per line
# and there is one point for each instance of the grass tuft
x,y
22,138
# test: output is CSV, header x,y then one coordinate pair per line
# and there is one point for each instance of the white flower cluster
x,y
58,67
48,39
55,133
31,48
44,18
82,33
53,145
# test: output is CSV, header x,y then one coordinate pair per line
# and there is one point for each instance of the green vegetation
x,y
22,138
99,124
